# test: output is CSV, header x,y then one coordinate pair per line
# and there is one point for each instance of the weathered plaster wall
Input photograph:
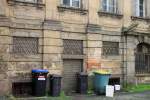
x,y
51,23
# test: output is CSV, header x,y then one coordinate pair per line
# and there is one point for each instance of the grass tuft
x,y
137,88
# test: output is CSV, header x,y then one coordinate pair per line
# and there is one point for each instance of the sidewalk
x,y
122,96
119,96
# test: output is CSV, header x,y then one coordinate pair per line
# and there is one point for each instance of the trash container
x,y
82,83
39,78
100,81
55,85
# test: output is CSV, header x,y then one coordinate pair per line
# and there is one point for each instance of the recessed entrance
x,y
71,68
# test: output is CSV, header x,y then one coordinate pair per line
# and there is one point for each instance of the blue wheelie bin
x,y
100,82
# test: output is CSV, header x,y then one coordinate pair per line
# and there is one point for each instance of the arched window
x,y
143,48
142,59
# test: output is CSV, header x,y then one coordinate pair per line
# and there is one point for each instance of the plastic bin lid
x,y
39,71
102,72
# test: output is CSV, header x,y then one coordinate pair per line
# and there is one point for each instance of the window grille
x,y
73,47
25,45
110,48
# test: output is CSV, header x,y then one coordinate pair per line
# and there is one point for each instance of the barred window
x,y
110,48
25,45
73,47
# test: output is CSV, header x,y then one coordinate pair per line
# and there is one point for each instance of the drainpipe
x,y
124,59
123,74
43,35
86,31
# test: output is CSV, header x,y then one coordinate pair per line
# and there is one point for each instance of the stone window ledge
x,y
63,8
68,56
142,74
23,3
140,18
117,56
109,14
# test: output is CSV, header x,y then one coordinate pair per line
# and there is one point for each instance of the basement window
x,y
110,48
22,89
25,45
114,81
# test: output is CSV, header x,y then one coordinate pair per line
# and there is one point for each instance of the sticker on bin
x,y
40,78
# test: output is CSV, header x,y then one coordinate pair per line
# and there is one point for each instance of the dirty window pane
x,y
73,47
110,48
72,3
141,8
109,6
104,5
66,2
25,45
75,3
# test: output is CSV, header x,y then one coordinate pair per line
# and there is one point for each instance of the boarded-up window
x,y
25,45
73,47
110,48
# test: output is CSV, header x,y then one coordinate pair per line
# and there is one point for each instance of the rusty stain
x,y
93,64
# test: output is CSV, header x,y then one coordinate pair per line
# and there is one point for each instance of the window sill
x,y
117,56
63,8
109,14
140,18
23,3
110,55
146,74
69,56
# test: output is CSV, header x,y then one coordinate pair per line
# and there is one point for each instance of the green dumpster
x,y
101,79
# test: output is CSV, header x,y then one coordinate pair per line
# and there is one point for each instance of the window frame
x,y
72,48
71,4
24,53
109,6
110,54
138,9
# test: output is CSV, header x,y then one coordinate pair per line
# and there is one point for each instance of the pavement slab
x,y
118,96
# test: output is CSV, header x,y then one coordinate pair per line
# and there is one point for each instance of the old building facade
x,y
70,36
